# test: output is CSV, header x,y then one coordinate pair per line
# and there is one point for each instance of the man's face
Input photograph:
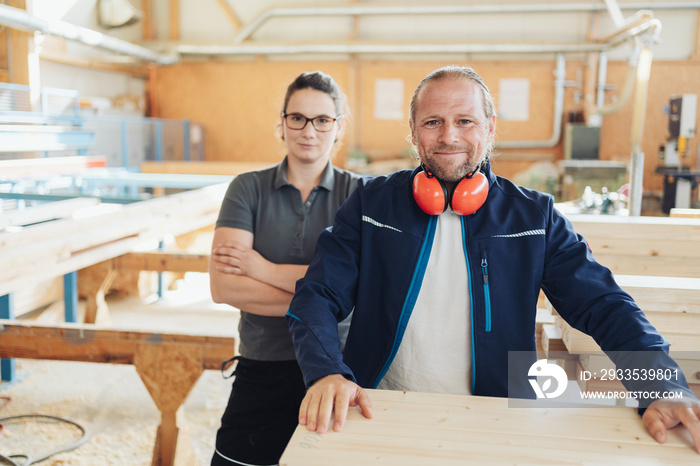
x,y
450,129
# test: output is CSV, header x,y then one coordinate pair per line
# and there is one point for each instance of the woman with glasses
x,y
264,239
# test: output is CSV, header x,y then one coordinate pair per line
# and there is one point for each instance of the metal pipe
x,y
625,94
652,27
20,19
245,49
615,12
637,158
637,19
450,9
602,74
559,84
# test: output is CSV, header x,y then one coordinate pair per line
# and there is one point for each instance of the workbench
x,y
429,429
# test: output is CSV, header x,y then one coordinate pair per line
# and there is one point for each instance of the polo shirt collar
x,y
327,179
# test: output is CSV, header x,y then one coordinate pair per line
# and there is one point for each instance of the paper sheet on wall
x,y
388,99
514,99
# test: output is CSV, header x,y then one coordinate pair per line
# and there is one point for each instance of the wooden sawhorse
x,y
169,364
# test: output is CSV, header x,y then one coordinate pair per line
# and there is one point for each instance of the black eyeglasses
x,y
320,123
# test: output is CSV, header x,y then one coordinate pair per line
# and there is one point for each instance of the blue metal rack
x,y
50,121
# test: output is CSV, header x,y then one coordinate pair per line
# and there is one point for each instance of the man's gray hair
x,y
454,71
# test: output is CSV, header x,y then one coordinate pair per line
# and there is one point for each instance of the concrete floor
x,y
110,400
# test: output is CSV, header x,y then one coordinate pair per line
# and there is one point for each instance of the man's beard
x,y
451,174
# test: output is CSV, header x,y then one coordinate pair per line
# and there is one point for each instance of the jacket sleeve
x,y
587,296
326,295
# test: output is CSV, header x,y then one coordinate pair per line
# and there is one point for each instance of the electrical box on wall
x,y
581,142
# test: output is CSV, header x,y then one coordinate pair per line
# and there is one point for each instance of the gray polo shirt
x,y
285,231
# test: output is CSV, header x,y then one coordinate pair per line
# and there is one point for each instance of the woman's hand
x,y
237,259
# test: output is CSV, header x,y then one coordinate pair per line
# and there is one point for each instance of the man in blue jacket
x,y
443,266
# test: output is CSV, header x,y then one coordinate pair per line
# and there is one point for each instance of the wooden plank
x,y
672,305
578,342
202,168
551,339
88,343
45,212
174,23
677,212
149,180
230,14
38,295
658,246
418,428
542,318
38,167
67,245
163,262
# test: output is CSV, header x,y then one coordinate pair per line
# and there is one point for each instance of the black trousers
x,y
262,413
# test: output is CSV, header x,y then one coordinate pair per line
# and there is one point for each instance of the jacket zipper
x,y
487,293
411,296
471,303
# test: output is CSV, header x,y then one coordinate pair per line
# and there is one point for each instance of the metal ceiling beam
x,y
20,19
449,10
353,48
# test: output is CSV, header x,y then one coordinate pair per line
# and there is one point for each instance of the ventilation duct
x,y
117,13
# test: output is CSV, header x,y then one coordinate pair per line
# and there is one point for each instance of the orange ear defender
x,y
432,195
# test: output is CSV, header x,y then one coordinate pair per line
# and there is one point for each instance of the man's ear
x,y
412,134
492,127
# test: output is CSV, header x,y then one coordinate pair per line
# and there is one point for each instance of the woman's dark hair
x,y
320,81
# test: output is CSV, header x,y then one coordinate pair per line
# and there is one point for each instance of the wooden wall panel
x,y
239,103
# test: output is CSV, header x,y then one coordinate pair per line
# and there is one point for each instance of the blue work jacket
x,y
372,261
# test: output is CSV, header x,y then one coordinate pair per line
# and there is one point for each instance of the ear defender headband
x,y
433,197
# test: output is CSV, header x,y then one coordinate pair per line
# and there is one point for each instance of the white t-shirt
x,y
435,353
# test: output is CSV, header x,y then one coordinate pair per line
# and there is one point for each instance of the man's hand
x,y
662,415
332,393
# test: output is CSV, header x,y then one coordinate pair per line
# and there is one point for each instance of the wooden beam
x,y
152,109
37,167
96,311
136,70
22,52
174,29
684,213
232,16
696,52
148,22
657,246
201,168
551,339
672,305
51,249
87,343
162,262
45,212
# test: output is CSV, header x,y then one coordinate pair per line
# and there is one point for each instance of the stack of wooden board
x,y
50,249
672,305
657,246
